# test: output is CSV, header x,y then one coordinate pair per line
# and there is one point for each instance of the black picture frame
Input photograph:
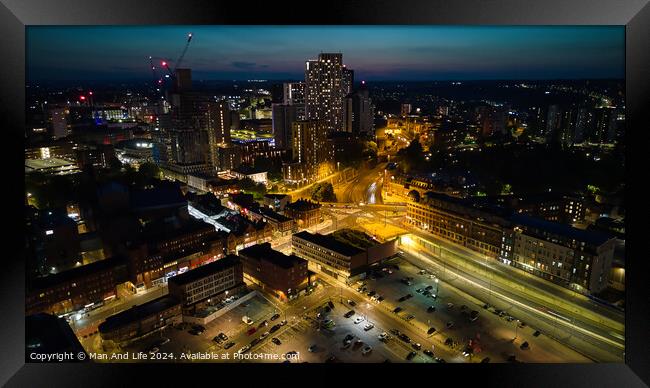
x,y
16,14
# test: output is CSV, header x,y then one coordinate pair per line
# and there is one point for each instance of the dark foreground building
x,y
50,339
140,320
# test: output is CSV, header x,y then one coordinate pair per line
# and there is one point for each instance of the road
x,y
573,329
365,188
526,285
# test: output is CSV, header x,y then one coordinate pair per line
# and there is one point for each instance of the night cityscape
x,y
325,194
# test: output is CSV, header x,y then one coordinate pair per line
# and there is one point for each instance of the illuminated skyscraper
x,y
325,91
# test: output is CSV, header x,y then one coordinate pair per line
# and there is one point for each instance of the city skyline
x,y
376,53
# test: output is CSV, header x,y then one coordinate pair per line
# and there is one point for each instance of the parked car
x,y
282,323
450,324
358,320
264,335
416,346
428,352
368,327
366,350
383,336
405,338
352,303
276,341
397,309
485,360
223,336
275,328
275,316
229,345
409,317
312,348
431,330
525,346
349,314
328,323
431,309
251,331
536,333
411,356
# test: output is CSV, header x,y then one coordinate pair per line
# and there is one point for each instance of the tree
x,y
323,192
247,185
413,156
369,150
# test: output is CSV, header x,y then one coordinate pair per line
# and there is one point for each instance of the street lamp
x,y
437,293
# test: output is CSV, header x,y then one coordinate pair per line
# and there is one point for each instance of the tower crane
x,y
165,64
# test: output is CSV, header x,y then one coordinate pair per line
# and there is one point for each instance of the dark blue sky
x,y
374,52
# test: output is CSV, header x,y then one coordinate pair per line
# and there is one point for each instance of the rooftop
x,y
270,214
247,170
137,313
163,195
276,196
50,163
265,252
329,242
303,205
591,237
205,270
48,281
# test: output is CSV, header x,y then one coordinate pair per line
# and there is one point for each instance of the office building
x,y
343,254
215,281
